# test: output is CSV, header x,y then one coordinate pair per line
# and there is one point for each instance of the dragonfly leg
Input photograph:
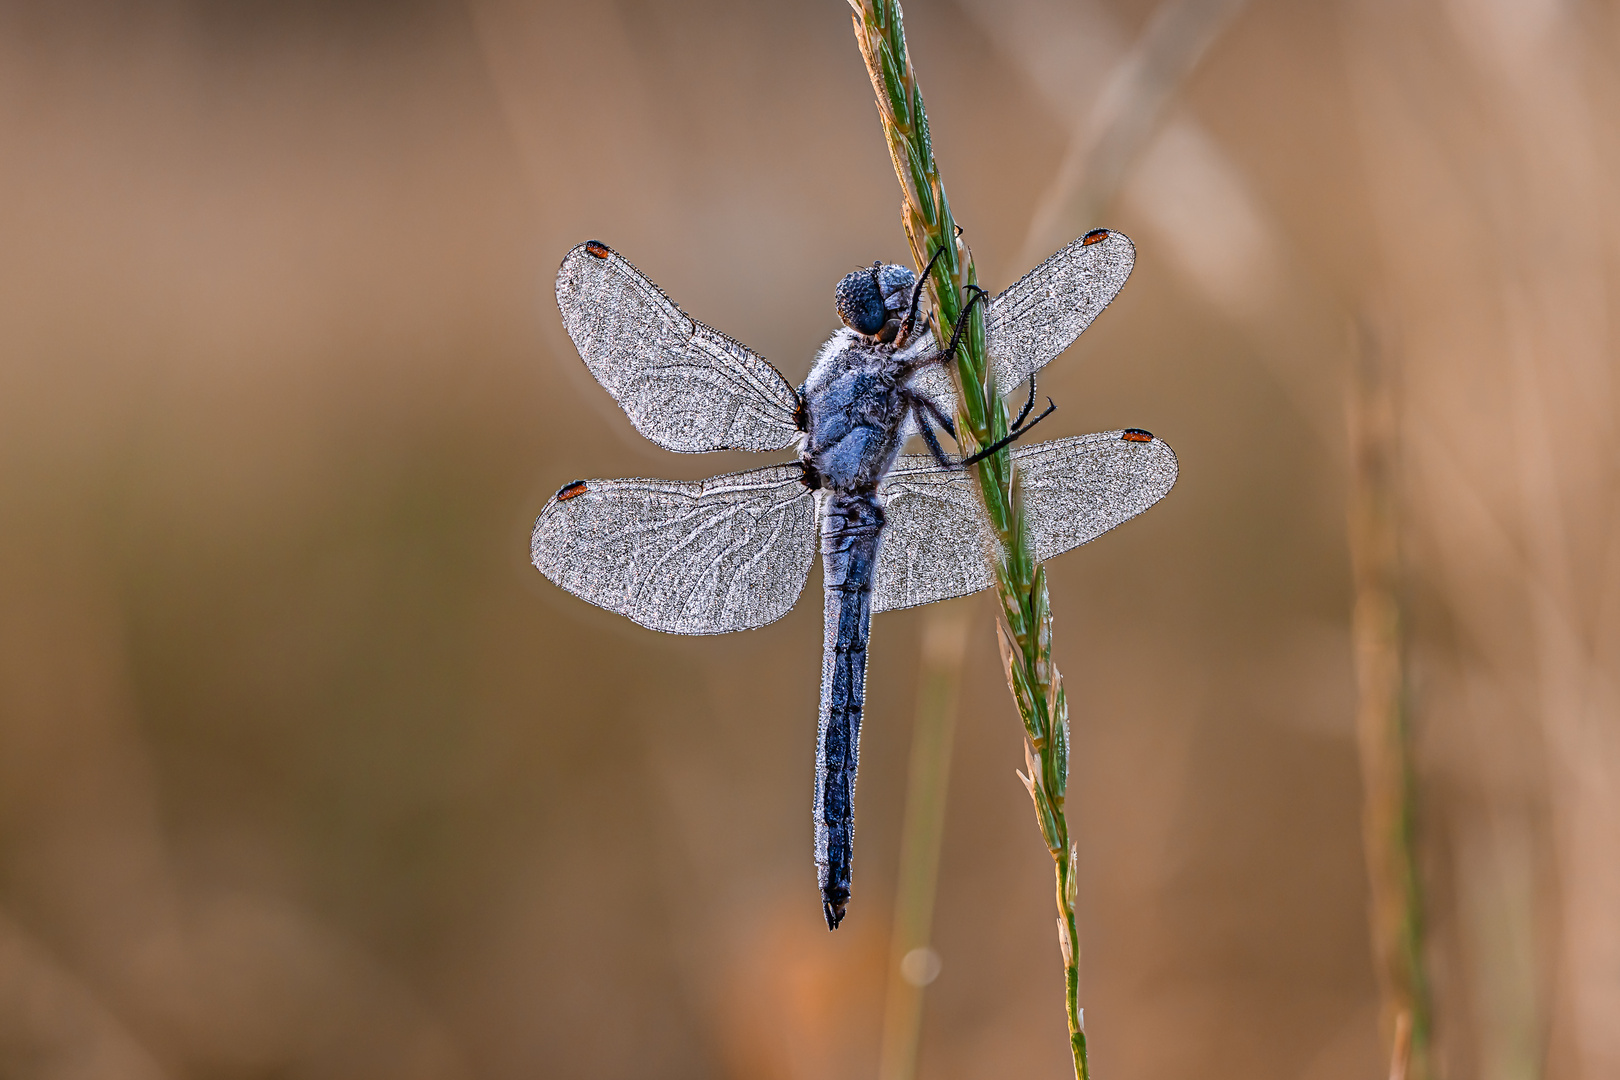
x,y
933,443
945,354
961,323
926,410
1028,405
917,289
1010,436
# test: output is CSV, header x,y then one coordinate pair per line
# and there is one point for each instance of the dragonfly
x,y
895,530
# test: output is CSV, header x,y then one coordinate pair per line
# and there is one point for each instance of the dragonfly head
x,y
873,300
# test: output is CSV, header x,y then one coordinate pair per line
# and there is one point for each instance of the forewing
x,y
684,385
1034,320
937,542
728,553
1028,325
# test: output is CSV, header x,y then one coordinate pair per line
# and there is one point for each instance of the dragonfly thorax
x,y
855,409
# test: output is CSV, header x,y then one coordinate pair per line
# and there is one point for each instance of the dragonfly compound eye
x,y
895,282
860,304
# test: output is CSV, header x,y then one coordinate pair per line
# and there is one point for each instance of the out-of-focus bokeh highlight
x,y
304,772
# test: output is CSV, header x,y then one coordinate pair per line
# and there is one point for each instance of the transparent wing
x,y
937,543
1041,315
1034,320
728,553
684,385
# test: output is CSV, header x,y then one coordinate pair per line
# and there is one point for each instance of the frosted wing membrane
x,y
1078,488
1040,315
937,542
1028,325
684,385
705,557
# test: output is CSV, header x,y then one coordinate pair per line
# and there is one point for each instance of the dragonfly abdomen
x,y
851,533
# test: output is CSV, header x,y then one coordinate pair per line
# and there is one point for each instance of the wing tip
x,y
595,249
1111,245
542,542
1149,441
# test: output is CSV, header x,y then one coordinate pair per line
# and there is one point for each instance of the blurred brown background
x,y
304,772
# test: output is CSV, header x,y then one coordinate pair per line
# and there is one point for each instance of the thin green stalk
x,y
1025,625
1389,814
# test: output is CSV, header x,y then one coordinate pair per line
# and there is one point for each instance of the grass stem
x,y
1025,624
1382,722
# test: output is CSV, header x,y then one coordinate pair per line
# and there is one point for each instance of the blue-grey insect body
x,y
733,552
856,402
851,534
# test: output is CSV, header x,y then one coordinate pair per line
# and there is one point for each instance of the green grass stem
x,y
1025,624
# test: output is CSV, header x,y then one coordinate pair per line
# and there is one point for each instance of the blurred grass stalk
x,y
1382,720
1025,626
1484,124
1124,119
912,963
